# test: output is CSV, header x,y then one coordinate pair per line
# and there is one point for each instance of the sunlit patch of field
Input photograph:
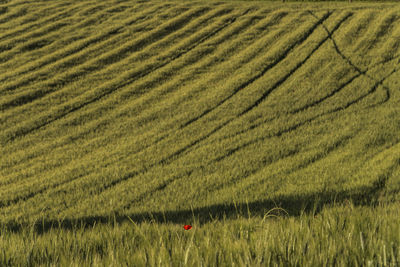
x,y
112,111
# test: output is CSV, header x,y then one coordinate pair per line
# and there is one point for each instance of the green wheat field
x,y
272,128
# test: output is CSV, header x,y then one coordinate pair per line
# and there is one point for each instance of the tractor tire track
x,y
185,148
315,103
277,84
204,38
106,187
223,39
319,156
190,146
247,83
331,94
131,79
22,198
178,152
309,120
361,72
230,21
158,188
179,22
340,143
371,91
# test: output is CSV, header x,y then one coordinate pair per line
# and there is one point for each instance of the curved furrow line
x,y
232,151
140,74
15,85
391,48
294,127
58,21
337,90
30,78
172,55
309,120
208,62
338,50
25,194
221,40
11,115
278,83
115,30
377,83
26,47
360,25
282,80
369,33
351,63
387,90
124,83
128,78
159,33
371,91
331,94
159,187
9,17
317,157
317,102
32,16
163,184
278,17
165,160
214,32
74,47
106,59
185,50
265,120
382,29
268,67
204,38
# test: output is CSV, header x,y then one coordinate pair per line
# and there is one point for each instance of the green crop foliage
x,y
271,127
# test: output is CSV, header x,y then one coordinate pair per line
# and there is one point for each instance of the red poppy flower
x,y
187,227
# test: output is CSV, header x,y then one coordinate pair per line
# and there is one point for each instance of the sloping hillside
x,y
129,107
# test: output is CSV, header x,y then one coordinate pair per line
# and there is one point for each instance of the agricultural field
x,y
272,128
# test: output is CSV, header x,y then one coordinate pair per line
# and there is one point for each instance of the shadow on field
x,y
294,205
